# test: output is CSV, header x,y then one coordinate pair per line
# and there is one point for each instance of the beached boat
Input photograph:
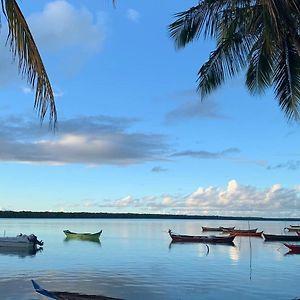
x,y
293,248
280,237
20,241
68,296
200,238
83,236
220,228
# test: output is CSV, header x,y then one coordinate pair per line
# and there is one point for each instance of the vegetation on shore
x,y
101,215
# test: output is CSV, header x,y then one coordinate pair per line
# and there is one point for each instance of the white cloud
x,y
133,15
62,25
233,200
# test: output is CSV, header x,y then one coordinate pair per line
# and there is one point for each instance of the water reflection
x,y
21,252
70,239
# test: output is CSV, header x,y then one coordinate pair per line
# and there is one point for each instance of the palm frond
x,y
23,47
229,58
287,80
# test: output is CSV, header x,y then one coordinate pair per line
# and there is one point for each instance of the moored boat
x,y
201,238
241,231
66,295
298,226
293,248
20,241
220,228
292,229
245,233
83,236
280,237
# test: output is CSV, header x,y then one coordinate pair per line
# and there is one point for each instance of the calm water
x,y
135,260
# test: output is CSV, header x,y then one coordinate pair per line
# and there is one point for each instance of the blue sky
x,y
133,135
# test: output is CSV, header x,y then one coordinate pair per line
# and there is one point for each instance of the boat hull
x,y
293,248
20,241
241,231
251,234
82,236
204,228
201,238
280,237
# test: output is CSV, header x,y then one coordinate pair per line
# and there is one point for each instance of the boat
x,y
82,236
280,237
241,231
298,226
20,241
292,229
293,248
245,233
213,239
68,296
220,228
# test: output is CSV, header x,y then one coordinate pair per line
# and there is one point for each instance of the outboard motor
x,y
34,239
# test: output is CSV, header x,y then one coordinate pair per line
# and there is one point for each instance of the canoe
x,y
66,295
293,248
82,236
220,228
280,237
241,231
20,241
292,229
213,239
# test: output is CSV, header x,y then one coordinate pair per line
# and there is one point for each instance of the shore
x,y
88,215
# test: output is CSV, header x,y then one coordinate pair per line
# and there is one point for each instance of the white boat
x,y
22,241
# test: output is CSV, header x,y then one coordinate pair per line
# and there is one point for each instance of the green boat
x,y
82,236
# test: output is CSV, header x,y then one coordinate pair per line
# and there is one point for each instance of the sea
x,y
136,260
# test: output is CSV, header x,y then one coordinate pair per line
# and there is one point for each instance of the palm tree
x,y
31,66
261,37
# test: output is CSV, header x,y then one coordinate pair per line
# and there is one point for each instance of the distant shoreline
x,y
87,215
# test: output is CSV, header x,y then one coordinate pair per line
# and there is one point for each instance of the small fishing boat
x,y
220,228
241,230
246,233
201,238
280,237
298,226
82,236
20,241
66,295
293,248
292,229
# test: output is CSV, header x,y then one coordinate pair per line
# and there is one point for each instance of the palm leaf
x,y
287,79
227,60
23,47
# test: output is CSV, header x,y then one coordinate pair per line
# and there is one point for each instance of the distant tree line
x,y
101,215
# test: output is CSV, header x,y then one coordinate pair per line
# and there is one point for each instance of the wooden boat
x,y
220,228
292,229
280,237
68,296
82,236
293,248
200,238
20,241
244,233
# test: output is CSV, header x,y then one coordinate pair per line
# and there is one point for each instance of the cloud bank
x,y
233,200
90,140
